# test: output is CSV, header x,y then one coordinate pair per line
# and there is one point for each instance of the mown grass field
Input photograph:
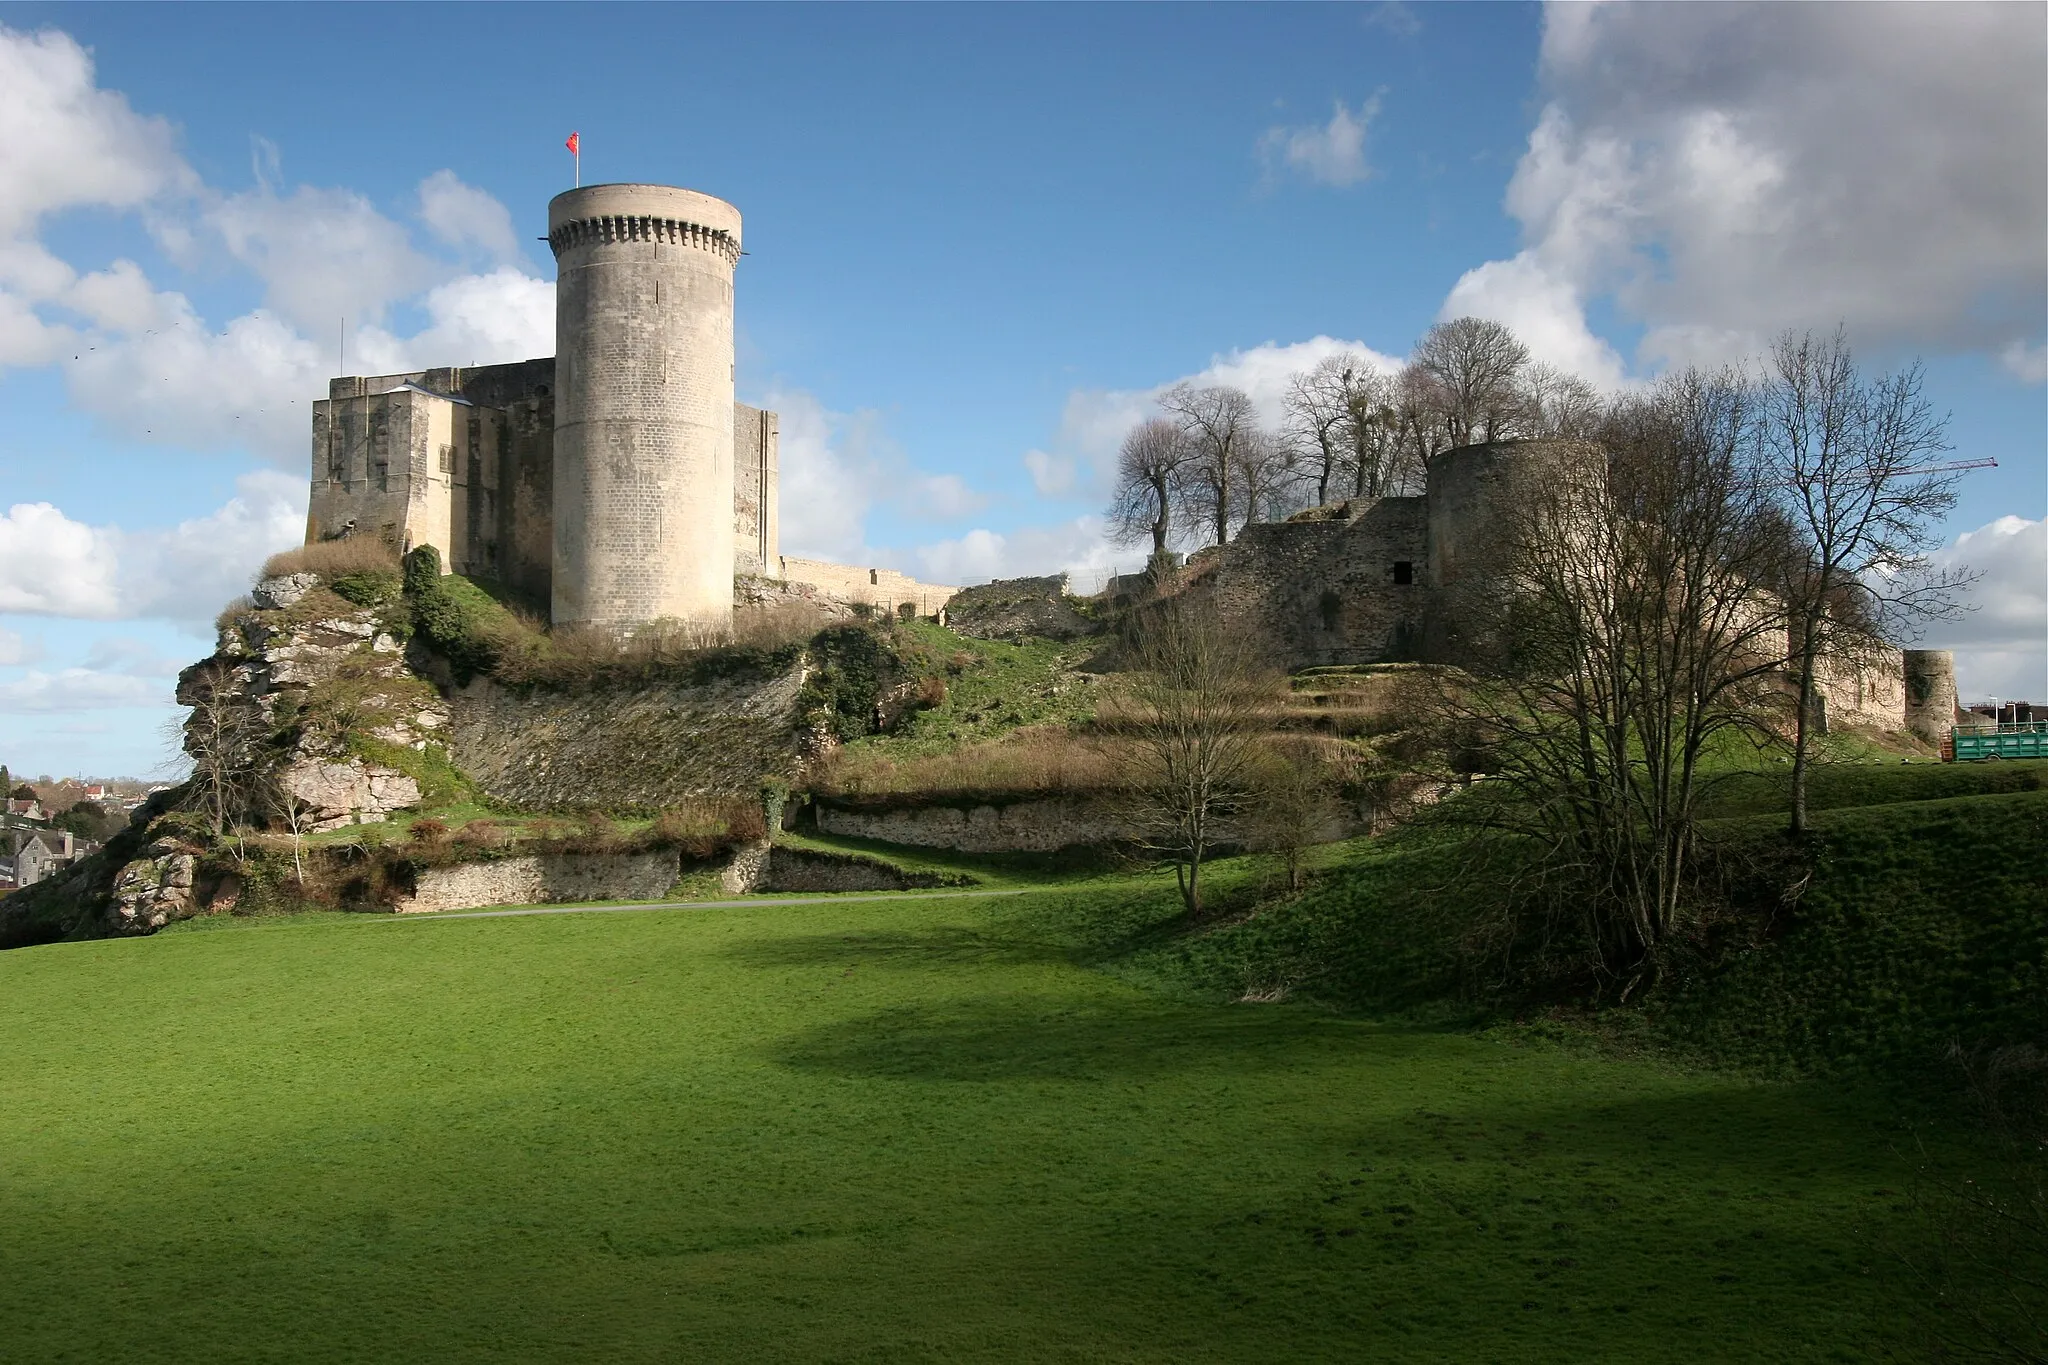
x,y
910,1130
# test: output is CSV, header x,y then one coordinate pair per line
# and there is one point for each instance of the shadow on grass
x,y
940,946
996,1040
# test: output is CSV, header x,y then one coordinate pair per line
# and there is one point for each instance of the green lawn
x,y
910,1130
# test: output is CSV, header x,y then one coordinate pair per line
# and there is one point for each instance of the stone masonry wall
x,y
1325,589
1042,826
542,878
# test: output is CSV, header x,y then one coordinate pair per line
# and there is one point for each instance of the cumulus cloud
x,y
51,565
1094,421
1330,153
1078,548
16,648
2001,646
65,143
825,480
142,359
1051,475
474,320
1723,172
466,218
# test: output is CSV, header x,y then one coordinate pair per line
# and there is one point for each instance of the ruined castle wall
x,y
884,589
756,489
1324,592
1869,689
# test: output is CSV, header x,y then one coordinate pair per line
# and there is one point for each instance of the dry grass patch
x,y
1046,760
330,559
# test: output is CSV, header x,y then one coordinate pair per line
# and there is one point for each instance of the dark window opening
x,y
1404,572
1329,606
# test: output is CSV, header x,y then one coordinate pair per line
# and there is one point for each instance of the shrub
x,y
427,831
332,559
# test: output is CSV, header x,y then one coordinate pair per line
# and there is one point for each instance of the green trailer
x,y
2028,739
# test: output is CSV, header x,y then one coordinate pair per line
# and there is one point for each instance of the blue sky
x,y
980,238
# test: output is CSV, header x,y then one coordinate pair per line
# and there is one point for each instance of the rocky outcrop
x,y
345,793
152,890
1013,608
290,680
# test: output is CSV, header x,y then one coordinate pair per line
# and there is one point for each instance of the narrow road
x,y
839,898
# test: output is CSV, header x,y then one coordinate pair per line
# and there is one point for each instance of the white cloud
x,y
143,360
249,385
17,649
2001,647
824,481
2024,362
1330,153
466,218
474,320
1723,172
65,143
51,565
1078,548
1051,475
941,497
1095,421
78,689
133,658
1544,309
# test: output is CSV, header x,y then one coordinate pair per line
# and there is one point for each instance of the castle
x,y
618,481
1379,580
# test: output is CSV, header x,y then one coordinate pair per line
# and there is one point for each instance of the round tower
x,y
1930,693
643,505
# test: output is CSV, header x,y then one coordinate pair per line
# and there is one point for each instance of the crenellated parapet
x,y
608,229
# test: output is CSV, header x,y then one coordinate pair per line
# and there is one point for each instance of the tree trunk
x,y
1809,651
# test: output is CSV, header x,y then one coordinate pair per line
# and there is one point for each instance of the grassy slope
x,y
892,1131
1925,923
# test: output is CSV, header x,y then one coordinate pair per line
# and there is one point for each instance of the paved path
x,y
836,899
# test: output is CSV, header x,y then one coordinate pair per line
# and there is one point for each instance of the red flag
x,y
574,143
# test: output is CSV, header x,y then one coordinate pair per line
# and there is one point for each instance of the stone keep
x,y
465,458
643,450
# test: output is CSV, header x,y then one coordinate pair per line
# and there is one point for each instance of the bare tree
x,y
1319,413
1852,462
1293,798
1148,475
218,735
1474,367
294,812
1195,703
1380,459
1264,471
1621,635
1217,423
1557,406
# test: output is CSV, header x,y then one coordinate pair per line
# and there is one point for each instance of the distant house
x,y
45,852
26,809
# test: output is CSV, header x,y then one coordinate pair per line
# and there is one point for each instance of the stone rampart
x,y
538,879
1045,825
